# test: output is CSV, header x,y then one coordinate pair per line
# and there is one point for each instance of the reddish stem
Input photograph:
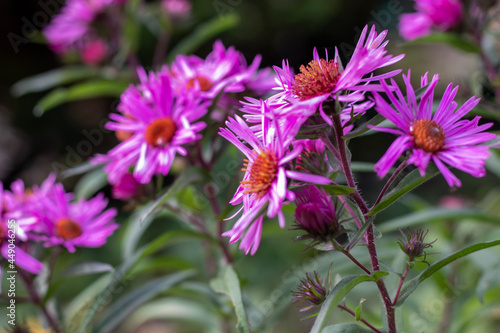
x,y
400,285
345,308
370,239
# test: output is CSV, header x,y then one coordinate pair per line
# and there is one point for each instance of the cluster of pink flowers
x,y
47,214
159,117
275,159
83,26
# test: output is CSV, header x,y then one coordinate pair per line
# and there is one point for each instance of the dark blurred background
x,y
274,29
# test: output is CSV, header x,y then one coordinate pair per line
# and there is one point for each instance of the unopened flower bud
x,y
312,290
413,244
315,214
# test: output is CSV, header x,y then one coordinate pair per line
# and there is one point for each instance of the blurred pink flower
x,y
75,224
442,136
158,122
439,15
94,52
14,226
126,188
72,27
222,70
177,9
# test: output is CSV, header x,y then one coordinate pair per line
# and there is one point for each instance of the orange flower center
x,y
262,173
203,82
160,132
427,135
318,78
68,229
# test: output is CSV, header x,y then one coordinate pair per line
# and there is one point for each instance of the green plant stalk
x,y
370,238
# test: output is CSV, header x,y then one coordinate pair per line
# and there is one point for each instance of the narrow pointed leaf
x,y
53,78
338,293
436,215
181,182
346,328
411,285
124,306
410,182
89,89
228,283
90,267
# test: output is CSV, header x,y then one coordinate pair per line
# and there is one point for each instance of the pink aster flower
x,y
177,9
223,69
73,25
75,224
155,125
443,137
126,188
316,214
322,78
14,226
264,185
440,15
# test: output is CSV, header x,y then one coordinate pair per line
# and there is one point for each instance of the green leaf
x,y
333,161
161,264
338,189
338,292
362,167
79,169
228,283
204,33
408,183
122,307
435,215
180,310
346,328
53,78
180,183
84,268
76,310
455,40
121,274
89,89
411,285
91,183
488,280
359,308
355,236
365,127
493,162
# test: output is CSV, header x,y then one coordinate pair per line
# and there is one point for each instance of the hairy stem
x,y
370,239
